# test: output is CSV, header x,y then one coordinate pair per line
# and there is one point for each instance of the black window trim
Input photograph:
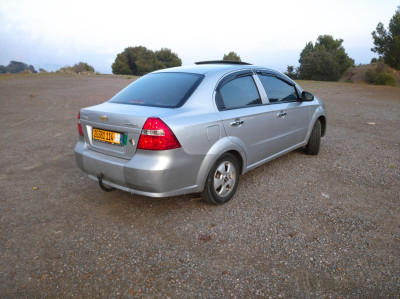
x,y
218,97
271,74
232,76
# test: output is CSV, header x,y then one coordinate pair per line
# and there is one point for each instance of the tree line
x,y
327,60
324,60
15,67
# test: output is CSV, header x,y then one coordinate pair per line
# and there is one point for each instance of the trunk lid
x,y
114,129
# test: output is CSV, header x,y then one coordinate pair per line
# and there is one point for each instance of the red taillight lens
x,y
157,136
79,125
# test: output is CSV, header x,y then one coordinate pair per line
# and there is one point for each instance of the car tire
x,y
222,181
313,145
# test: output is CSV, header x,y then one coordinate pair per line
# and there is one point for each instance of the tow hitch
x,y
102,186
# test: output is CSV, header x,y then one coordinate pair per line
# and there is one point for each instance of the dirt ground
x,y
325,226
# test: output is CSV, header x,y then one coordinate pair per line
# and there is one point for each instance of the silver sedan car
x,y
196,129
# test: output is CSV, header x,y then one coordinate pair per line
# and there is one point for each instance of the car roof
x,y
217,68
205,68
214,68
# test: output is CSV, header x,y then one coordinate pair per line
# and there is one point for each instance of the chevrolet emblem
x,y
103,118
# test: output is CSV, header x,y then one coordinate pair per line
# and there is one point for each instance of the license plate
x,y
107,136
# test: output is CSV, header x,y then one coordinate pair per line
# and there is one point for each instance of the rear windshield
x,y
170,90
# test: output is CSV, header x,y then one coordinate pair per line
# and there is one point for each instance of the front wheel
x,y
222,181
313,145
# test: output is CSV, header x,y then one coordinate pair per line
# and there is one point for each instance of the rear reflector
x,y
157,136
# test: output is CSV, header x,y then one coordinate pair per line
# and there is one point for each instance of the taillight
x,y
79,125
157,136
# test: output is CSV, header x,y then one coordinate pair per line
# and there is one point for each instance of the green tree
x,y
321,66
308,49
291,73
232,56
167,58
15,67
387,42
140,61
121,65
326,60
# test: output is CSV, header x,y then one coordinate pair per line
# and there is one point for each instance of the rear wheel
x,y
313,145
222,181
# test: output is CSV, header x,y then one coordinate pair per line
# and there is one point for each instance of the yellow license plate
x,y
107,136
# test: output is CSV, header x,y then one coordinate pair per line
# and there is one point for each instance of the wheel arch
x,y
238,157
322,120
224,145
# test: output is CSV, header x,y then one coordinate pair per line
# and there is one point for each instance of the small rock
x,y
205,237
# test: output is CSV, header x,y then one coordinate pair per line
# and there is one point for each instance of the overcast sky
x,y
52,34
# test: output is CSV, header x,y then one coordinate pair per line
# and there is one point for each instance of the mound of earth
x,y
357,74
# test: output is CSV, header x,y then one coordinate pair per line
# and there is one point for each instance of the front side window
x,y
278,90
169,90
238,93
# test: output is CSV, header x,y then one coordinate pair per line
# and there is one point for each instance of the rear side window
x,y
239,92
169,90
278,90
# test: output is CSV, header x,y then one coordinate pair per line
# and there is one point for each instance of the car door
x,y
247,121
291,114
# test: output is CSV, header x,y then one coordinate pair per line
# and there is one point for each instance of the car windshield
x,y
170,90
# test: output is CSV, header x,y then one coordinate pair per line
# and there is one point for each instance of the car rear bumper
x,y
149,173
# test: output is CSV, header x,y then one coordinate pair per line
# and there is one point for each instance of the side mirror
x,y
307,96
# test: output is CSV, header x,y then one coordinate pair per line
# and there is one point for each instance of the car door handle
x,y
281,114
236,123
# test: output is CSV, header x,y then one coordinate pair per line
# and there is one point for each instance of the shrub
x,y
380,75
77,68
385,79
371,75
81,67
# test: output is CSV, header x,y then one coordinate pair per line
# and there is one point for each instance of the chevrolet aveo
x,y
196,129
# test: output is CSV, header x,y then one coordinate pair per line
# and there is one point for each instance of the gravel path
x,y
325,226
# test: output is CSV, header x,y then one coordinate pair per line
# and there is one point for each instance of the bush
x,y
77,68
370,76
81,67
380,75
385,79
